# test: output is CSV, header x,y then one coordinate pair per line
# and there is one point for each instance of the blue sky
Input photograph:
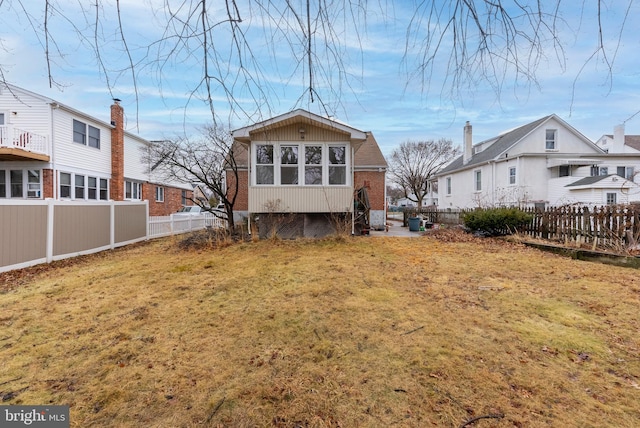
x,y
377,91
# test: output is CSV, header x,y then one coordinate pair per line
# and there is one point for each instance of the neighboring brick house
x,y
50,150
306,168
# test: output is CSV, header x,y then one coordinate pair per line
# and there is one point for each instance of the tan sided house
x,y
301,174
50,150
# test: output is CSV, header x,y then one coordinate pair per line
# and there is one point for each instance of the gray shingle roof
x,y
502,143
369,154
589,180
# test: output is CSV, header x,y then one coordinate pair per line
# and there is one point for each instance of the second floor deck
x,y
20,145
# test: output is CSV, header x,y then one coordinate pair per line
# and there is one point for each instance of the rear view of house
x,y
50,150
309,173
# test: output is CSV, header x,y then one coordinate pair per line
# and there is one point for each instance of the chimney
x,y
468,143
117,151
618,139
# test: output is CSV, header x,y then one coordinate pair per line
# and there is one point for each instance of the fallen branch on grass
x,y
11,380
215,410
476,419
414,330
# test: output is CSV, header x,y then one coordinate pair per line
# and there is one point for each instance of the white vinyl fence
x,y
175,224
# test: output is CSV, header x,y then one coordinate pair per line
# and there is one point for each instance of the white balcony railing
x,y
16,138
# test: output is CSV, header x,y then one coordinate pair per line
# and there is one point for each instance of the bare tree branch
x,y
413,163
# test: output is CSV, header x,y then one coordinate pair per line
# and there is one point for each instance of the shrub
x,y
495,221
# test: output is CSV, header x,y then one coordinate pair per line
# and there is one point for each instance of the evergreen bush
x,y
495,221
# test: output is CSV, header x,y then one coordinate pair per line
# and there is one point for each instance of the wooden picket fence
x,y
605,226
610,226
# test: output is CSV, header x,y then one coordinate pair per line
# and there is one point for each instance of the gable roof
x,y
503,143
298,116
369,154
367,151
14,90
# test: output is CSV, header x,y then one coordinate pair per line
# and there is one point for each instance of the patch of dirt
x,y
211,238
452,235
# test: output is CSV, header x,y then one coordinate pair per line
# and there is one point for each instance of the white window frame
x,y
597,170
551,144
33,188
513,177
99,187
103,189
159,194
132,190
448,186
28,189
92,188
68,186
79,182
338,165
628,172
292,166
477,180
3,184
313,165
301,165
76,124
274,151
89,137
611,198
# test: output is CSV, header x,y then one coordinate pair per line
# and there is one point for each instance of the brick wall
x,y
376,183
172,199
47,184
117,152
242,200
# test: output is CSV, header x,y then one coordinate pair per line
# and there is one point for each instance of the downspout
x,y
384,213
493,183
54,172
353,186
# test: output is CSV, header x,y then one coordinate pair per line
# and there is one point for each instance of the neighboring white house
x,y
410,201
50,150
543,163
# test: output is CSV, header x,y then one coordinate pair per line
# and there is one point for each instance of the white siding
x,y
74,157
300,199
135,167
566,141
31,113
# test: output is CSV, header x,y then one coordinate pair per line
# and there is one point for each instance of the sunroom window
x,y
313,165
289,165
264,164
337,165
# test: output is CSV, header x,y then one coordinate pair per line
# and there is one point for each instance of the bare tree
x,y
415,162
236,47
205,162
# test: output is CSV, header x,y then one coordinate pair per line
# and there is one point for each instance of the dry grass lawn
x,y
363,332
